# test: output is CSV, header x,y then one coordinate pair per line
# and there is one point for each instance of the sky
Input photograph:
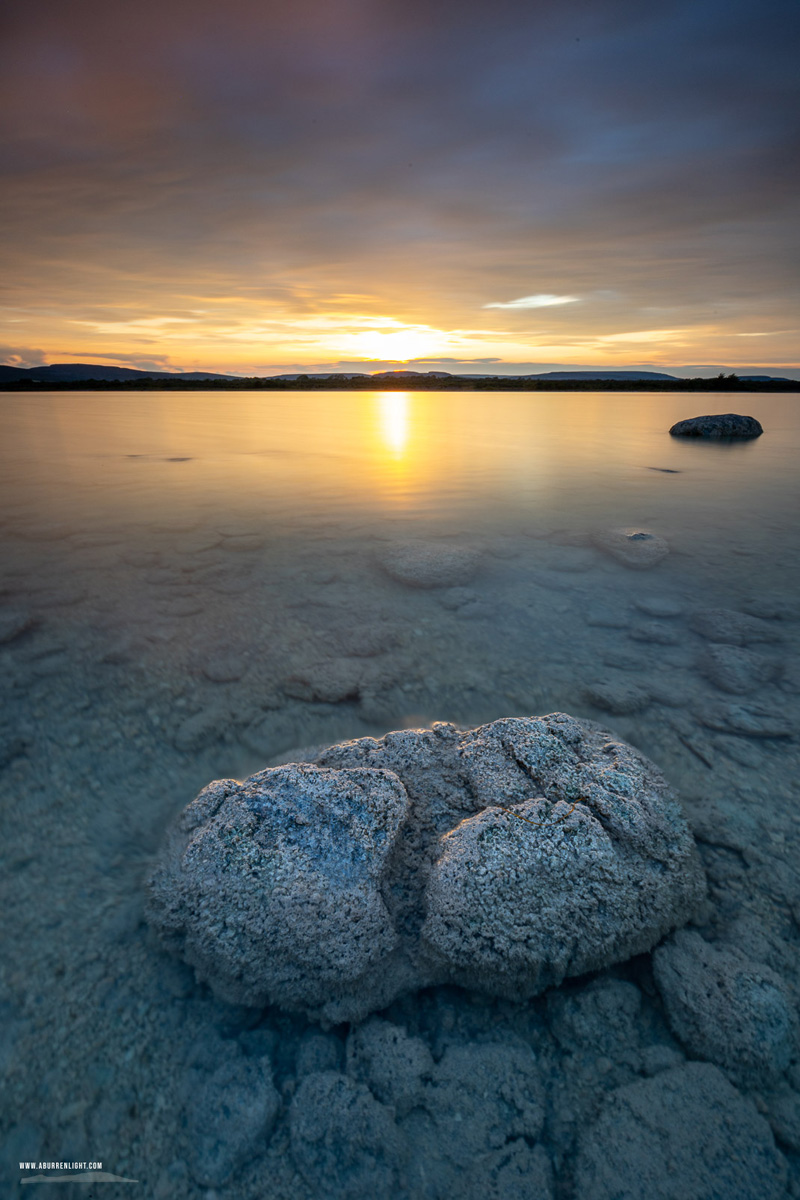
x,y
266,186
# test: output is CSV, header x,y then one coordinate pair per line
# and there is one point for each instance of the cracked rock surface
x,y
503,859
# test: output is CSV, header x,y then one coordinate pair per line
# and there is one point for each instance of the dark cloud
x,y
439,156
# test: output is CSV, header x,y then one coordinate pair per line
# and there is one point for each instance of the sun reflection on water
x,y
394,421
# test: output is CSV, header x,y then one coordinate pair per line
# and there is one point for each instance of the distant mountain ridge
x,y
58,373
72,372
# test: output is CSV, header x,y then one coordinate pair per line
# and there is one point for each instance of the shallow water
x,y
194,584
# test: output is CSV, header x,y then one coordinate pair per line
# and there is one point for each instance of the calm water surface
x,y
196,583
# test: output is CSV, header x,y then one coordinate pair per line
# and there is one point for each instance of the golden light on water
x,y
394,421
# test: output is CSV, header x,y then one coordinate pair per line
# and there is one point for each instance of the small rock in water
x,y
748,720
659,606
734,669
655,633
457,597
718,425
663,691
771,608
734,628
617,696
230,1118
635,548
13,623
225,666
424,564
685,1133
621,660
331,681
601,617
345,1143
725,1008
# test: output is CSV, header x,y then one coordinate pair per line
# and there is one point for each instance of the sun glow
x,y
399,345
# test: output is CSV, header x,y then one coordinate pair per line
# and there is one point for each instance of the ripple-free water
x,y
192,585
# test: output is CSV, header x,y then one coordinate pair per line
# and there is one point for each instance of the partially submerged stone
x,y
633,547
503,859
718,425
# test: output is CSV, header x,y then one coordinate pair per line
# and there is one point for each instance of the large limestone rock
x,y
503,858
718,425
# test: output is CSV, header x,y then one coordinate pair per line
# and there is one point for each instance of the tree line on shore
x,y
400,382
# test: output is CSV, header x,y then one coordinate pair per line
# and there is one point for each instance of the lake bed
x,y
197,584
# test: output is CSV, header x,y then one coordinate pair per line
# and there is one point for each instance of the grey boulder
x,y
502,859
718,425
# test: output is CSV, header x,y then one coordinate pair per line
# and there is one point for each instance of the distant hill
x,y
601,375
71,372
70,376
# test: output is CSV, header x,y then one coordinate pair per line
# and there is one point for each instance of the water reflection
x,y
394,411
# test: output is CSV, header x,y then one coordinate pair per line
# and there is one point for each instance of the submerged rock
x,y
503,859
718,425
635,548
422,564
685,1133
13,623
732,628
230,1118
725,1008
617,696
746,720
345,1143
733,669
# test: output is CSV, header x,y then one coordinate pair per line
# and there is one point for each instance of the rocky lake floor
x,y
142,659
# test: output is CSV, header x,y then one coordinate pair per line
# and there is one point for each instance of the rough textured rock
x,y
731,627
746,720
685,1133
617,696
345,1143
725,1008
659,606
482,1095
422,564
394,1065
503,859
656,633
229,1119
734,669
636,548
275,896
13,623
718,425
516,1172
331,681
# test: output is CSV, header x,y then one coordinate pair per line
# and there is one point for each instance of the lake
x,y
195,584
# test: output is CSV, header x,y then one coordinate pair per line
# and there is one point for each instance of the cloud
x,y
401,160
542,300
